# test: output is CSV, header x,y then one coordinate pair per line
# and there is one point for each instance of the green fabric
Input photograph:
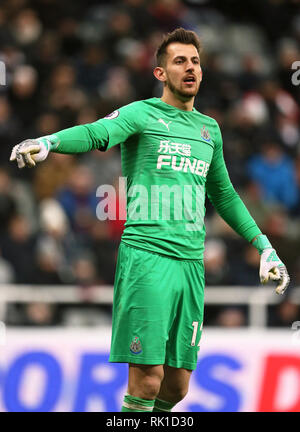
x,y
136,404
79,139
158,309
261,243
162,406
170,159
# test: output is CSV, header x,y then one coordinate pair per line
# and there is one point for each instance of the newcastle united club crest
x,y
136,346
205,134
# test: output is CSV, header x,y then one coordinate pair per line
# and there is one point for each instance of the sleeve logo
x,y
112,115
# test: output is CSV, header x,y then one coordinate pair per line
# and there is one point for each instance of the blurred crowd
x,y
71,63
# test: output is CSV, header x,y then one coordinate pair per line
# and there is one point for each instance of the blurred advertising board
x,y
67,370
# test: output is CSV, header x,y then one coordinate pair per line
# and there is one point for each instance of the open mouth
x,y
189,80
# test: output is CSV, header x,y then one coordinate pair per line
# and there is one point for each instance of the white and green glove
x,y
30,151
271,267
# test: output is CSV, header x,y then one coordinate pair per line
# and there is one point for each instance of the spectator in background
x,y
120,27
44,123
18,247
139,12
40,314
15,198
252,196
289,133
274,172
79,201
62,94
56,247
216,265
92,67
10,128
231,317
70,43
252,72
104,166
117,88
244,268
8,205
47,264
278,100
26,28
46,54
168,14
104,248
23,94
85,273
54,175
284,314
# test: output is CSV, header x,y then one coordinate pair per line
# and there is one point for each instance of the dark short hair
x,y
180,35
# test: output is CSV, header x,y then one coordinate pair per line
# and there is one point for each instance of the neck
x,y
172,99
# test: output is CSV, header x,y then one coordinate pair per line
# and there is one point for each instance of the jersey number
x,y
196,325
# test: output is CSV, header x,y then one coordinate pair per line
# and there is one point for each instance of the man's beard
x,y
179,93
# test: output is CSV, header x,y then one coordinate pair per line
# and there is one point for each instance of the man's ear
x,y
201,74
159,74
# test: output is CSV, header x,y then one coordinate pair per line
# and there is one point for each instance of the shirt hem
x,y
169,256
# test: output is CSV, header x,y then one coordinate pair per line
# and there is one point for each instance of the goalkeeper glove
x,y
271,267
30,151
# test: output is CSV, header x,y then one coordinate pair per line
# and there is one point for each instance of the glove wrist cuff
x,y
261,243
51,142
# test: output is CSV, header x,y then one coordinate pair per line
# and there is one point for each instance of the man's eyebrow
x,y
181,57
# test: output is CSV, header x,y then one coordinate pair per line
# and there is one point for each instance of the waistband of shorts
x,y
190,260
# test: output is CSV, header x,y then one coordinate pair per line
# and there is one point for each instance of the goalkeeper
x,y
169,147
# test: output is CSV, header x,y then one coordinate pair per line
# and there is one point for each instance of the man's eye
x,y
178,61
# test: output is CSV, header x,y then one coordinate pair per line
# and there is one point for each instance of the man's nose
x,y
190,66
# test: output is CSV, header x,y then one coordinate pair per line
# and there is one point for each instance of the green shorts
x,y
157,309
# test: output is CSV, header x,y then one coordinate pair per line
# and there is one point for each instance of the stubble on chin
x,y
180,93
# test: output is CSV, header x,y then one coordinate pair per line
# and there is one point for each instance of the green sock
x,y
162,406
136,404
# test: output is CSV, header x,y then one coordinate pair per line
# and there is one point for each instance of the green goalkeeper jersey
x,y
170,158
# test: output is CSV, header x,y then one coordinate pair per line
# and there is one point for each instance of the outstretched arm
x,y
77,139
101,134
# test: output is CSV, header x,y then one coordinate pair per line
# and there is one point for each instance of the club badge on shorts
x,y
136,346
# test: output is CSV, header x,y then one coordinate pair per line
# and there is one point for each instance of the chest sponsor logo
x,y
177,156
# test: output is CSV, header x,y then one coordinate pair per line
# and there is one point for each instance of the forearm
x,y
79,139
